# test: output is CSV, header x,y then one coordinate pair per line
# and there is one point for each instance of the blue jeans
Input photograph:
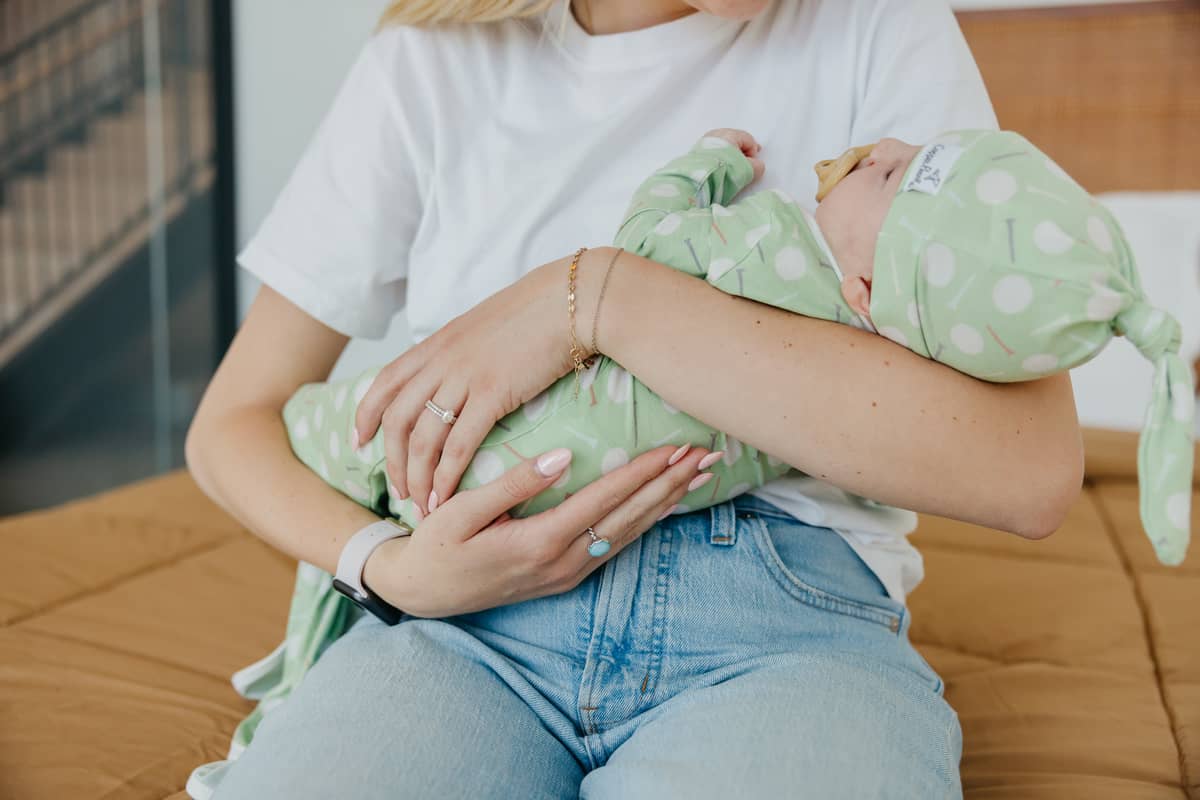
x,y
729,652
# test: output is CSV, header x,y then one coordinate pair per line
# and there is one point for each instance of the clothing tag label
x,y
932,166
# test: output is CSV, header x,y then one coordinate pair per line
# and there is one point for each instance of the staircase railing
x,y
79,126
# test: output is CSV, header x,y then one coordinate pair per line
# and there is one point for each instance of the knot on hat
x,y
1152,331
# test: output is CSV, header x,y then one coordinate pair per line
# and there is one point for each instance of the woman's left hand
x,y
482,365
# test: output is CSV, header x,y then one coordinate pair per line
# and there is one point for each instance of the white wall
x,y
289,58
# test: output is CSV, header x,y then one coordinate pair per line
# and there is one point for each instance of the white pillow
x,y
1163,228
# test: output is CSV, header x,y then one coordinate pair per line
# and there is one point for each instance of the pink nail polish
x,y
393,491
699,481
553,462
433,501
710,459
417,512
678,454
667,513
354,438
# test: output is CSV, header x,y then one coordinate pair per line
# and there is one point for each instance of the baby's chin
x,y
855,259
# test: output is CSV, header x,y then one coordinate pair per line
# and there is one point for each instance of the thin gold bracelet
x,y
603,287
577,352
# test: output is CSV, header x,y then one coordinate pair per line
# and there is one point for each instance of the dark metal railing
x,y
57,76
93,138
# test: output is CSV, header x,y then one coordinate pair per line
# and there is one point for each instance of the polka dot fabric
x,y
1007,271
1016,272
614,419
672,217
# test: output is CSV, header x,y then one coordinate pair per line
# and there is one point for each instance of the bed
x,y
1074,663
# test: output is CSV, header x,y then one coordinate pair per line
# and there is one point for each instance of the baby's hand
x,y
745,142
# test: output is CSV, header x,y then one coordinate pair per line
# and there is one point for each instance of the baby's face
x,y
852,215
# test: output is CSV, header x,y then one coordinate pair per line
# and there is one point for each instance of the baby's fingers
x,y
758,166
746,142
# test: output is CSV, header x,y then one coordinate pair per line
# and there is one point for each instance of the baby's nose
x,y
885,148
895,150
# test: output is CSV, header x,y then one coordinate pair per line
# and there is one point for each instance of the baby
x,y
975,250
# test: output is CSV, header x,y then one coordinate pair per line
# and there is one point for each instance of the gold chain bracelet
x,y
578,354
600,299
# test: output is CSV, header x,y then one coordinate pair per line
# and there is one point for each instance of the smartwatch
x,y
353,561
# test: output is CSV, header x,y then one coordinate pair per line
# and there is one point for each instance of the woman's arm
x,y
237,447
844,405
466,556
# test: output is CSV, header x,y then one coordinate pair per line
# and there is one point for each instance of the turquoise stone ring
x,y
599,546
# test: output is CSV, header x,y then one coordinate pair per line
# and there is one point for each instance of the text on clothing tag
x,y
932,166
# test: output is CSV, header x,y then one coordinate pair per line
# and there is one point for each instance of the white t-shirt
x,y
456,159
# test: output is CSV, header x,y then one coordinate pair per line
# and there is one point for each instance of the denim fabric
x,y
729,652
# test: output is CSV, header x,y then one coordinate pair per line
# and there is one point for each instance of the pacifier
x,y
831,171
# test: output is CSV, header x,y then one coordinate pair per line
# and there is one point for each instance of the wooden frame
x,y
1110,90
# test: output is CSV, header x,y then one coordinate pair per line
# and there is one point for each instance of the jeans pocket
x,y
923,668
818,568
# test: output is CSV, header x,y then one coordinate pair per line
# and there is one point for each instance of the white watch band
x,y
356,552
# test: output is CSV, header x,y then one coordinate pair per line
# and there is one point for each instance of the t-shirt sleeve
x,y
336,241
918,77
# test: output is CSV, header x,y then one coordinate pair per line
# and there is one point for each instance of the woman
x,y
758,648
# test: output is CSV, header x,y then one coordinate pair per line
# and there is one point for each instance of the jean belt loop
x,y
722,528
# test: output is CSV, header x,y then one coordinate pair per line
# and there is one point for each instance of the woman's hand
x,y
482,365
470,555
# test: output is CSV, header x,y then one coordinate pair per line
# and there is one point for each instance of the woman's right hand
x,y
469,554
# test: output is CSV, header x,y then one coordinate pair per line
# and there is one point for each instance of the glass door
x,y
116,240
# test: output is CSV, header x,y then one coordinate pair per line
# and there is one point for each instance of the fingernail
x,y
416,510
433,501
699,481
393,491
667,513
554,462
678,454
354,438
710,459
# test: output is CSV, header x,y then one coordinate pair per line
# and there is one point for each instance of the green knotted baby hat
x,y
994,261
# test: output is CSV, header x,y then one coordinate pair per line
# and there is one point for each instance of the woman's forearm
x,y
237,447
243,461
844,405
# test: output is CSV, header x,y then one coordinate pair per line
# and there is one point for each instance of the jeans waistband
x,y
749,501
722,528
